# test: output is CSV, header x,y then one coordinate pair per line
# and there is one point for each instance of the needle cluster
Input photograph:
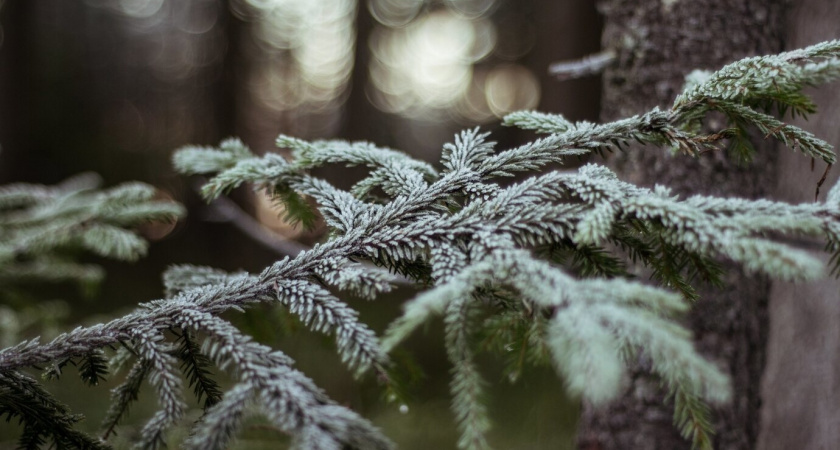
x,y
546,267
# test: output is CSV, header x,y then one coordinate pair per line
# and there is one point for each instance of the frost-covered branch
x,y
551,252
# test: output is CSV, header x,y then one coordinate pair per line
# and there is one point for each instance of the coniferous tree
x,y
543,266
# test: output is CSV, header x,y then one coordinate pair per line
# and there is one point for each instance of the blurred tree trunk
x,y
14,83
800,385
658,42
359,113
227,115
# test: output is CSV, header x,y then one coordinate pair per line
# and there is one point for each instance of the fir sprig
x,y
480,247
123,396
197,368
76,214
43,417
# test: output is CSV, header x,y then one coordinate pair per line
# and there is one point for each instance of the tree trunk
x,y
800,385
658,42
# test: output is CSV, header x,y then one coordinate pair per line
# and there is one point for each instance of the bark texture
x,y
801,384
658,42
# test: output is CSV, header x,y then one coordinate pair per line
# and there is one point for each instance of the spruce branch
x,y
196,367
42,415
123,396
166,381
289,399
466,386
693,418
38,220
476,246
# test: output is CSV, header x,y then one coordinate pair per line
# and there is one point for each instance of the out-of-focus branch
x,y
586,66
224,209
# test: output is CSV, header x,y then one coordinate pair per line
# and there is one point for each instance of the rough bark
x,y
801,384
658,42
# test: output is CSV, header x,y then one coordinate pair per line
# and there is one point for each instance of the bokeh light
x,y
395,13
441,62
510,88
308,49
428,64
301,63
471,8
139,9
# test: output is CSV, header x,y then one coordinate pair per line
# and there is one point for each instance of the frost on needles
x,y
544,266
42,228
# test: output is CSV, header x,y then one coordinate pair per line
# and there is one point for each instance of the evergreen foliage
x,y
542,268
41,230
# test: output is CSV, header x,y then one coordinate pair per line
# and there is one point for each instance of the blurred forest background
x,y
114,86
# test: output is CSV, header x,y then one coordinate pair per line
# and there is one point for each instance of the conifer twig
x,y
224,209
549,251
589,65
